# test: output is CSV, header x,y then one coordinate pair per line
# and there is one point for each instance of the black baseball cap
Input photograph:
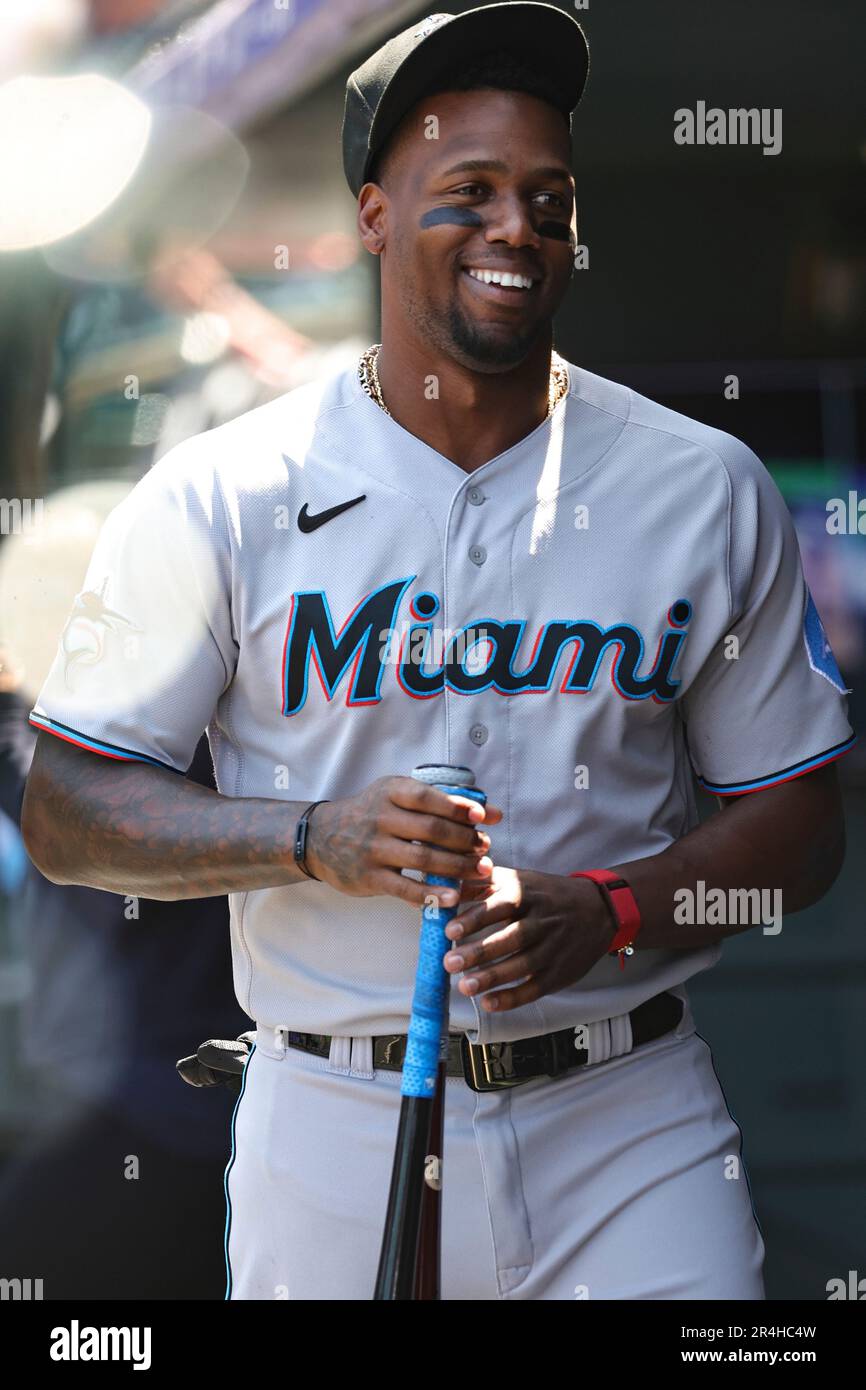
x,y
381,92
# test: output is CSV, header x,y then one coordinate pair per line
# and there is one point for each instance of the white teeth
x,y
498,277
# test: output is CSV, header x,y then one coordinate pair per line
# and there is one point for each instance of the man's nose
x,y
510,219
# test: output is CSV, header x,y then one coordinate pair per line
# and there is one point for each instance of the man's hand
x,y
552,930
360,844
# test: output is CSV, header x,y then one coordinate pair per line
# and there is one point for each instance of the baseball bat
x,y
408,1268
426,1286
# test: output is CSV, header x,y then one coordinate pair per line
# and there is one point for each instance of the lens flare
x,y
68,148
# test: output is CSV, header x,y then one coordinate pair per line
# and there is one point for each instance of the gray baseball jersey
x,y
599,614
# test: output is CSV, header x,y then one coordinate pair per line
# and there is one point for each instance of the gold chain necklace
x,y
368,375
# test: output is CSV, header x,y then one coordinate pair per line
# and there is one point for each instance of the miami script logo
x,y
487,654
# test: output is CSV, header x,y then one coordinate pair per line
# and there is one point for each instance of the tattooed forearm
x,y
135,829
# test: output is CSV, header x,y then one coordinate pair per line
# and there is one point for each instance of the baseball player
x,y
468,550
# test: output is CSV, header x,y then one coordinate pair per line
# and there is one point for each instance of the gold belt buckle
x,y
488,1066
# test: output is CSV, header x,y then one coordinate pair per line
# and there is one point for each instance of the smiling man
x,y
623,611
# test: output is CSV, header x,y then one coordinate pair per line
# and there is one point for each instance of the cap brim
x,y
537,34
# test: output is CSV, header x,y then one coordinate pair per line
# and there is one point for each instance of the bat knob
x,y
451,776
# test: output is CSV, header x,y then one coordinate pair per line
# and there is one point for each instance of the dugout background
x,y
703,262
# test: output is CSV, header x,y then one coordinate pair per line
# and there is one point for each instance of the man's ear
x,y
372,217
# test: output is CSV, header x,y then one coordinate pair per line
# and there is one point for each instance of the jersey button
x,y
475,496
479,734
477,554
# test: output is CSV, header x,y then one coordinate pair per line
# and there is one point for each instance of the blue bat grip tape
x,y
432,984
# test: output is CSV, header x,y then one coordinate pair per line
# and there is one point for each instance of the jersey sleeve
x,y
769,703
148,648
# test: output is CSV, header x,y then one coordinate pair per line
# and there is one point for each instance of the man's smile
x,y
500,286
502,277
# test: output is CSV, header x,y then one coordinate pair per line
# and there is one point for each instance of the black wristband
x,y
300,852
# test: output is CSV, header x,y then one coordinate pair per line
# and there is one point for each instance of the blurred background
x,y
177,245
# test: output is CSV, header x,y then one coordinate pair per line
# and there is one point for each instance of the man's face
x,y
494,193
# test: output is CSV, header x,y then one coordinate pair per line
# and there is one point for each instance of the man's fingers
x,y
478,915
505,999
475,890
396,885
410,795
426,859
434,830
504,972
469,955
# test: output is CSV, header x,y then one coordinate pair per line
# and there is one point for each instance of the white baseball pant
x,y
620,1180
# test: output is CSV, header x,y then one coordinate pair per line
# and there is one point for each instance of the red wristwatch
x,y
623,909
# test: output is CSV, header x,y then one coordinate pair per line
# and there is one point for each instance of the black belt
x,y
489,1066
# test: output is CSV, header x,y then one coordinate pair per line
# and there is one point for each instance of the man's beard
x,y
489,350
458,336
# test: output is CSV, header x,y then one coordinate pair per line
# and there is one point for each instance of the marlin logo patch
x,y
83,639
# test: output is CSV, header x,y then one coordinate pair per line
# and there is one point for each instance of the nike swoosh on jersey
x,y
308,523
